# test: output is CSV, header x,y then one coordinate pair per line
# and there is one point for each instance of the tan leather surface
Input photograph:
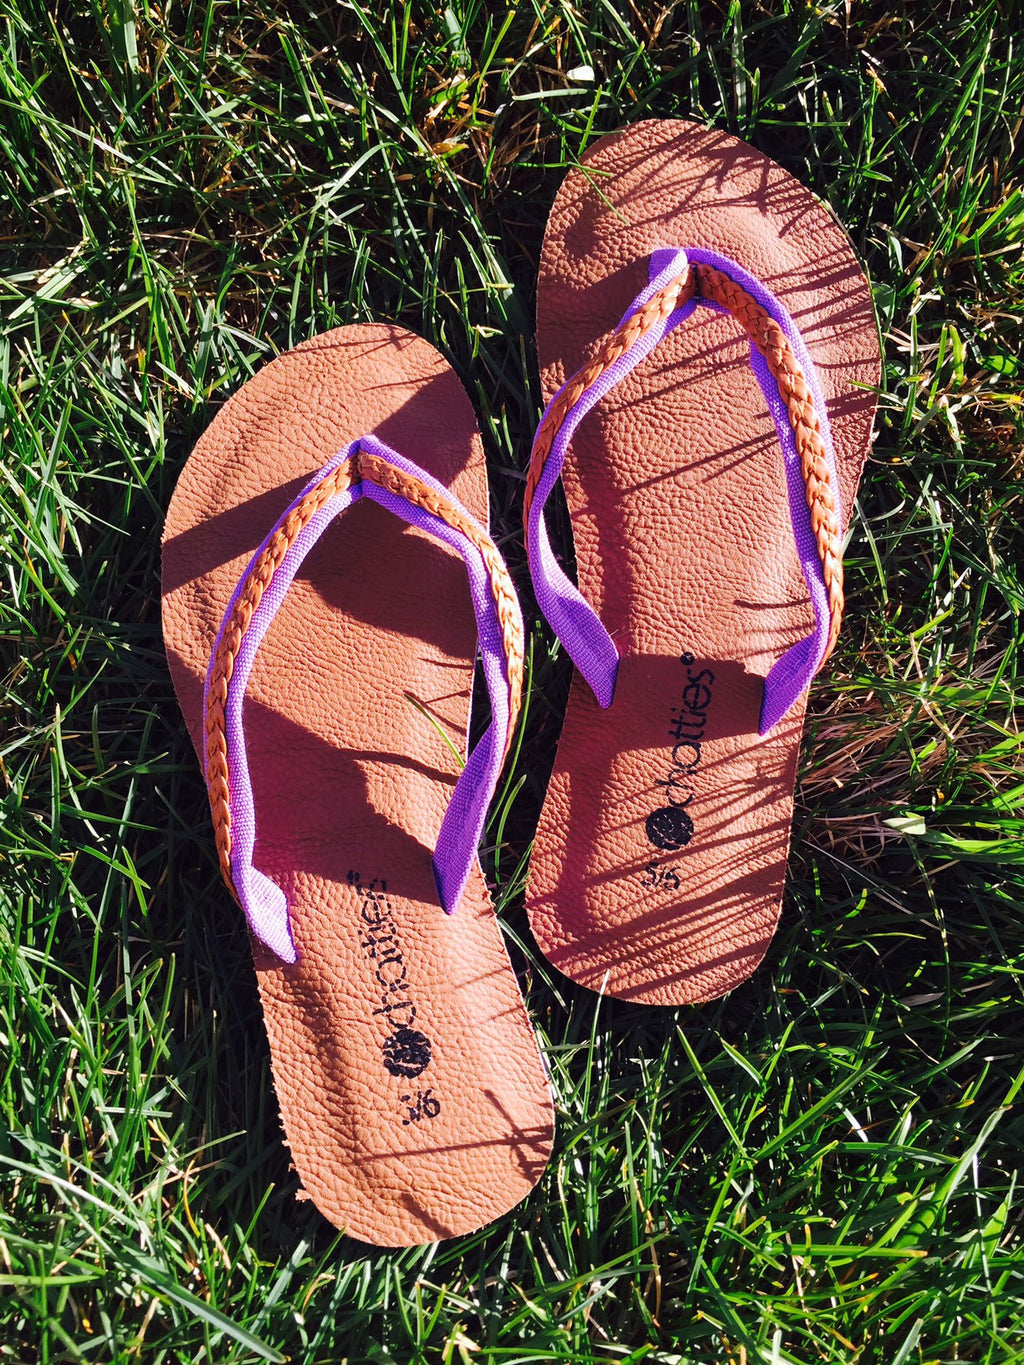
x,y
351,782
684,546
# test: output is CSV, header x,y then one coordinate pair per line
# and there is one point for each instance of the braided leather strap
x,y
257,580
772,343
672,296
715,286
502,590
361,465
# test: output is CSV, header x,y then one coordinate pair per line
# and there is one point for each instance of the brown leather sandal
x,y
710,568
324,664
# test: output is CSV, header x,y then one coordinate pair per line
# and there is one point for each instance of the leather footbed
x,y
440,1133
684,546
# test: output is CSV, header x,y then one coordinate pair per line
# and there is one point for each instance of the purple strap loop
x,y
568,613
265,903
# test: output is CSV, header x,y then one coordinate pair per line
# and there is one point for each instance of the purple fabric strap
x,y
265,903
568,613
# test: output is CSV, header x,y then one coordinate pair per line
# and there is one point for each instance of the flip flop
x,y
413,1095
730,415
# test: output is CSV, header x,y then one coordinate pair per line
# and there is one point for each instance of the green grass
x,y
823,1167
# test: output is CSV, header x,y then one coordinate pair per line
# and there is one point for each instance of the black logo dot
x,y
669,827
407,1052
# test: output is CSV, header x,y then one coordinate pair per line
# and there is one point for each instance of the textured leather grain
x,y
413,1096
660,855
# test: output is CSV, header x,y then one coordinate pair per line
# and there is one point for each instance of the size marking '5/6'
x,y
661,876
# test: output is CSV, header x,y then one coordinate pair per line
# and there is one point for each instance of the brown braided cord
x,y
256,583
770,340
670,297
505,600
258,578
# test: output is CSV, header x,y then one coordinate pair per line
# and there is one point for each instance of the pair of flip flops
x,y
323,655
